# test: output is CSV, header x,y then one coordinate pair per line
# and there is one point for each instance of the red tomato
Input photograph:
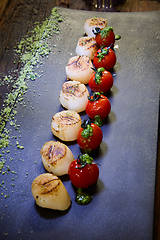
x,y
89,136
83,174
104,57
98,105
101,81
105,37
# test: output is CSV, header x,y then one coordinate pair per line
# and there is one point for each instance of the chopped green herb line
x,y
30,50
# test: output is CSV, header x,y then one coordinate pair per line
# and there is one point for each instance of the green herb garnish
x,y
104,32
117,37
84,159
98,121
98,75
82,198
31,49
87,132
100,55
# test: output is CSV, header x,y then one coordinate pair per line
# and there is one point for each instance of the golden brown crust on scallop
x,y
79,62
66,118
49,192
46,183
66,124
74,89
97,21
88,43
53,152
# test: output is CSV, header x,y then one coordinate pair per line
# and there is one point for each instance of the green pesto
x,y
98,121
117,37
82,198
104,32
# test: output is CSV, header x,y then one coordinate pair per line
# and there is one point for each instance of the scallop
x,y
66,124
92,23
49,192
79,68
74,96
56,157
86,46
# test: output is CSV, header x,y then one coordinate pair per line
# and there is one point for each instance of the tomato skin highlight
x,y
107,40
92,142
101,107
105,84
108,61
83,177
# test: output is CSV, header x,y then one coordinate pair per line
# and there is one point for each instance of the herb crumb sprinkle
x,y
31,51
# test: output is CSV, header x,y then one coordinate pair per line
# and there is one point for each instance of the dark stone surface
x,y
123,201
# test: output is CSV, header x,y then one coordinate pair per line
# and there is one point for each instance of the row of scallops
x,y
47,189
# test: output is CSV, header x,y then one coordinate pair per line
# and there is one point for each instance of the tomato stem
x,y
85,123
100,55
83,160
98,75
87,129
104,32
87,132
94,97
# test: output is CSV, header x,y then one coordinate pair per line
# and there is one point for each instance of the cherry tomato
x,y
104,57
89,136
105,37
83,173
98,105
101,80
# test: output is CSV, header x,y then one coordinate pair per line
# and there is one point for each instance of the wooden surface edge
x,y
156,229
3,5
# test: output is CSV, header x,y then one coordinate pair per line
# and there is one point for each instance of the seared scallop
x,y
92,23
66,124
86,46
74,96
49,192
56,157
79,68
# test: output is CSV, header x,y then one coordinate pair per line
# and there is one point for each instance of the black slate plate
x,y
123,202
